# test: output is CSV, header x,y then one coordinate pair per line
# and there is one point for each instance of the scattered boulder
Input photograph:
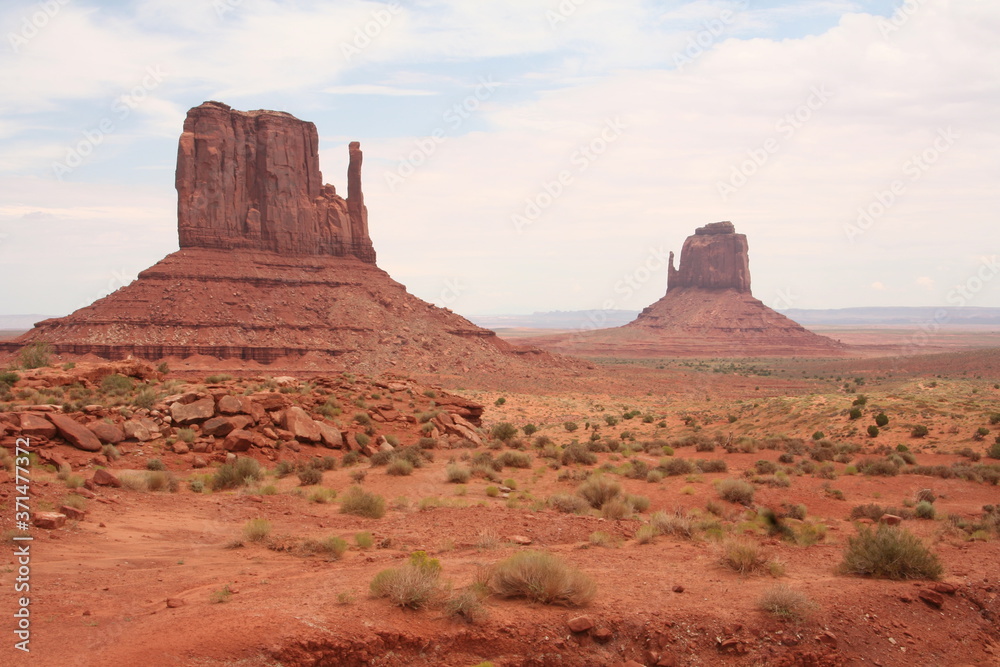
x,y
73,513
75,433
580,623
891,519
331,436
189,413
180,447
36,426
302,427
49,520
139,429
199,462
234,405
109,434
238,441
932,598
173,603
220,427
104,478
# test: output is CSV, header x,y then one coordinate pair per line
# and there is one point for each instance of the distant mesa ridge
x,y
708,310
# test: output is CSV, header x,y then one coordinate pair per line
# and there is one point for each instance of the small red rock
x,y
580,623
603,634
73,513
891,519
49,520
946,588
933,598
678,589
173,603
520,539
103,478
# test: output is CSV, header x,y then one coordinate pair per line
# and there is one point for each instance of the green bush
x,y
571,426
873,431
457,474
504,431
541,577
233,475
400,468
35,355
881,420
310,475
362,503
855,413
362,439
924,510
577,453
890,552
529,429
919,431
116,385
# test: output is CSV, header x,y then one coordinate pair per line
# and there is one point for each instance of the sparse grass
x,y
616,509
599,538
155,464
541,577
399,468
309,476
570,504
677,523
322,495
787,603
256,530
890,552
362,503
457,474
466,605
646,534
364,540
221,595
415,585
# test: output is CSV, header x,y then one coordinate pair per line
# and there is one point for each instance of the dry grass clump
x,y
599,490
564,502
415,585
736,491
677,523
786,603
457,474
256,530
890,552
747,557
466,605
362,503
542,577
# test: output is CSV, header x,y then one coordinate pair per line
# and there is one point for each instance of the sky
x,y
529,155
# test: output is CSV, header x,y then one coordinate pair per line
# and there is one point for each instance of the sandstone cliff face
x,y
251,179
715,257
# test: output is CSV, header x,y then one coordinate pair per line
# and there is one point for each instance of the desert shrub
x,y
878,467
570,504
713,465
599,538
636,469
676,523
924,510
186,435
785,457
786,603
457,474
855,413
155,464
994,451
638,503
881,420
541,577
743,555
764,467
362,503
616,509
598,490
654,476
362,418
159,480
705,446
926,495
310,475
919,431
415,585
577,453
867,511
256,530
9,378
236,474
981,433
284,469
873,431
736,491
511,459
503,431
646,534
362,439
674,467
400,468
466,605
796,511
34,355
890,552
571,426
427,443
364,540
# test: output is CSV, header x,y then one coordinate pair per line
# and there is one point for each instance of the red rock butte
x,y
273,264
708,310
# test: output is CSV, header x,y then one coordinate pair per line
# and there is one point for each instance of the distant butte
x,y
708,310
274,267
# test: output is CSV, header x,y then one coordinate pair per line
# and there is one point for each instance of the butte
x,y
708,311
274,267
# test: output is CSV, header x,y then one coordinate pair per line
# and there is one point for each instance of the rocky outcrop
x,y
715,257
274,268
251,179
